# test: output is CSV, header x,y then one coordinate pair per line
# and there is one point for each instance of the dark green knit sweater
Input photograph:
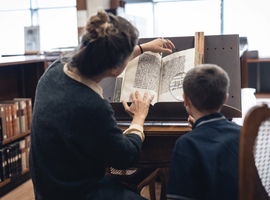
x,y
74,137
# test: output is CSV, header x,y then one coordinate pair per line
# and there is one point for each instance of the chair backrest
x,y
254,155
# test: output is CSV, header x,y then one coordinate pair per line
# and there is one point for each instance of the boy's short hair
x,y
206,86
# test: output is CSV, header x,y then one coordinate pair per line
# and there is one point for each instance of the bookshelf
x,y
19,76
257,63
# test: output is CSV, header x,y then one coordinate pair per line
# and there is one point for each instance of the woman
x,y
74,134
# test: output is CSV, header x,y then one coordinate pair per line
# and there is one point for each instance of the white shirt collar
x,y
75,74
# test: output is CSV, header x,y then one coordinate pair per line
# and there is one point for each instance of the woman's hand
x,y
139,107
158,46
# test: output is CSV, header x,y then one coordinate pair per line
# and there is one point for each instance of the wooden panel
x,y
19,75
157,151
31,73
9,82
81,5
158,144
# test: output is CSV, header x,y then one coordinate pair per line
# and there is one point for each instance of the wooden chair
x,y
136,179
254,155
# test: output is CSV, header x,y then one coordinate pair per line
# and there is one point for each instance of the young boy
x,y
205,161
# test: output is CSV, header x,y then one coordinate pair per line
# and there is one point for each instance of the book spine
x,y
17,117
22,146
2,165
29,113
27,148
9,121
19,160
14,119
12,160
4,123
23,122
1,130
8,159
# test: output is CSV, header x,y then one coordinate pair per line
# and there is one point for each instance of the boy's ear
x,y
226,98
186,100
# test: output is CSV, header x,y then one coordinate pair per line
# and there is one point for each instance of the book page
x,y
174,68
118,87
142,74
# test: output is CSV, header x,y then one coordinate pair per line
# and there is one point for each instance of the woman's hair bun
x,y
98,25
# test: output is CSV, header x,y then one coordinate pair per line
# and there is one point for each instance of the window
x,y
60,31
12,31
176,18
141,14
248,18
184,18
57,21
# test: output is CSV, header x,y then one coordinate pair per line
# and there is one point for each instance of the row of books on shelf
x,y
15,117
14,158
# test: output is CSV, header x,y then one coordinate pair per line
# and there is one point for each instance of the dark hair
x,y
107,42
206,86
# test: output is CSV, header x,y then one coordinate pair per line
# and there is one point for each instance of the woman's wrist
x,y
141,49
147,47
138,120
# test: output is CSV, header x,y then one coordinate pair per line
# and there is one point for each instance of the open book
x,y
162,77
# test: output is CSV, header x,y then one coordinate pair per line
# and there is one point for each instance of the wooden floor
x,y
25,192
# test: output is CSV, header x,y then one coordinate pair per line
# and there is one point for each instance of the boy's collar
x,y
208,118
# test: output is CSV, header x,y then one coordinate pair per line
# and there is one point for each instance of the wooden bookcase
x,y
19,76
255,63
